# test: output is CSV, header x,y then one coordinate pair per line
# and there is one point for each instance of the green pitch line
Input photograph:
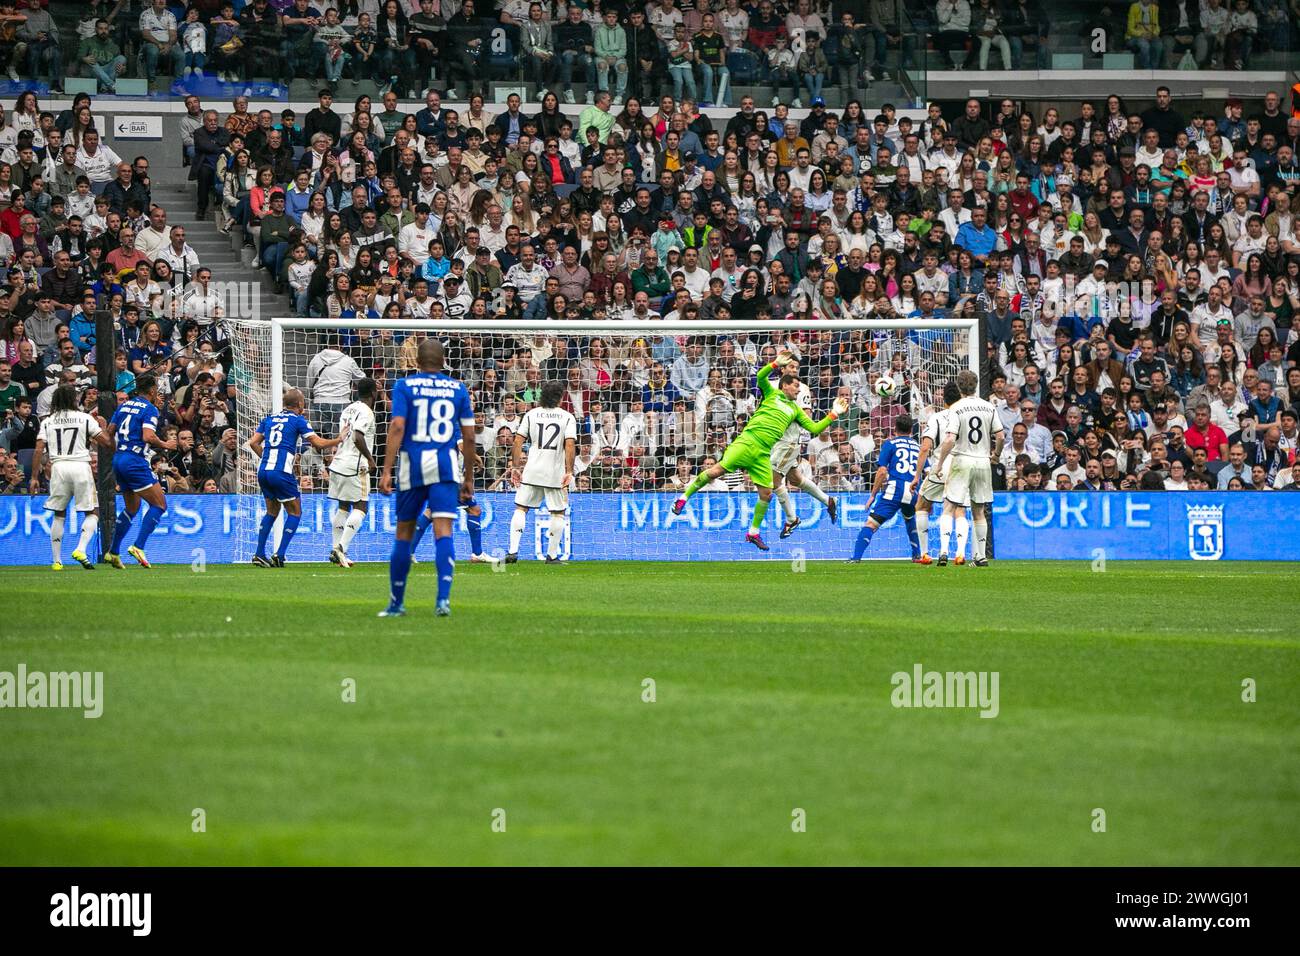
x,y
223,691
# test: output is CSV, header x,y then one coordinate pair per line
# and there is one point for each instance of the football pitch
x,y
657,714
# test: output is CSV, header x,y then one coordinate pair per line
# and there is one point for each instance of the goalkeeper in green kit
x,y
751,451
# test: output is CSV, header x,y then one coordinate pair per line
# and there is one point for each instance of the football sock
x,y
864,539
263,532
555,536
700,481
783,496
356,518
286,535
121,529
475,524
421,526
446,565
963,532
399,566
923,530
337,521
811,489
56,537
912,537
760,512
89,525
981,535
945,532
152,516
517,522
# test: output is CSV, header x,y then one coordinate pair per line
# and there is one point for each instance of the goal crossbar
x,y
595,327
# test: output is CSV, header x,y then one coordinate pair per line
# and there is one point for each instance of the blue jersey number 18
x,y
434,420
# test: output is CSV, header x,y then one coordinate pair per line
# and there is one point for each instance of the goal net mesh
x,y
654,406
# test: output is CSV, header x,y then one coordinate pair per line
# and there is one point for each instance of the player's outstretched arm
x,y
323,444
816,428
765,385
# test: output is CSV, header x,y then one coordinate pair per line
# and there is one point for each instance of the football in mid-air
x,y
885,387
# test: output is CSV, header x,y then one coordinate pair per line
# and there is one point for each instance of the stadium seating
x,y
835,232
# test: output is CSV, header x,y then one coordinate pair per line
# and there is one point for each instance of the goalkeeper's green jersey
x,y
775,412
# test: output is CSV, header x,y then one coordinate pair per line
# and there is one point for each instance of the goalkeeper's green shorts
x,y
747,455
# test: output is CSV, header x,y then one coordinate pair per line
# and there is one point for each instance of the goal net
x,y
655,404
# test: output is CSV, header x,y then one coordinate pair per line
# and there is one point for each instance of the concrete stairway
x,y
224,255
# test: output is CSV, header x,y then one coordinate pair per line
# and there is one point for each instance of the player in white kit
x,y
974,441
552,436
931,492
351,468
65,435
785,461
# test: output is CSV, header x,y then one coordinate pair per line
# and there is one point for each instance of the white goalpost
x,y
655,401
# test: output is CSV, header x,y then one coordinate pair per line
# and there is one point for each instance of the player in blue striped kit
x,y
135,429
431,413
276,442
892,492
473,523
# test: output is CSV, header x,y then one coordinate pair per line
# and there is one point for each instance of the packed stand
x,y
693,47
80,234
1093,246
1136,273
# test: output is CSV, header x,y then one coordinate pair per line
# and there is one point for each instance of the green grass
x,y
1119,690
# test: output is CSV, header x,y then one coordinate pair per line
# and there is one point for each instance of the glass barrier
x,y
976,35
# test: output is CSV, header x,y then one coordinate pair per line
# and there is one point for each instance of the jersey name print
x,y
546,431
67,436
973,422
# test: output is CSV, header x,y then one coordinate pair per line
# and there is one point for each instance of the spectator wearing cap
x,y
483,275
455,298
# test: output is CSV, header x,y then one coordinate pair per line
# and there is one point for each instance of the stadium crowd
x,y
1136,273
694,46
